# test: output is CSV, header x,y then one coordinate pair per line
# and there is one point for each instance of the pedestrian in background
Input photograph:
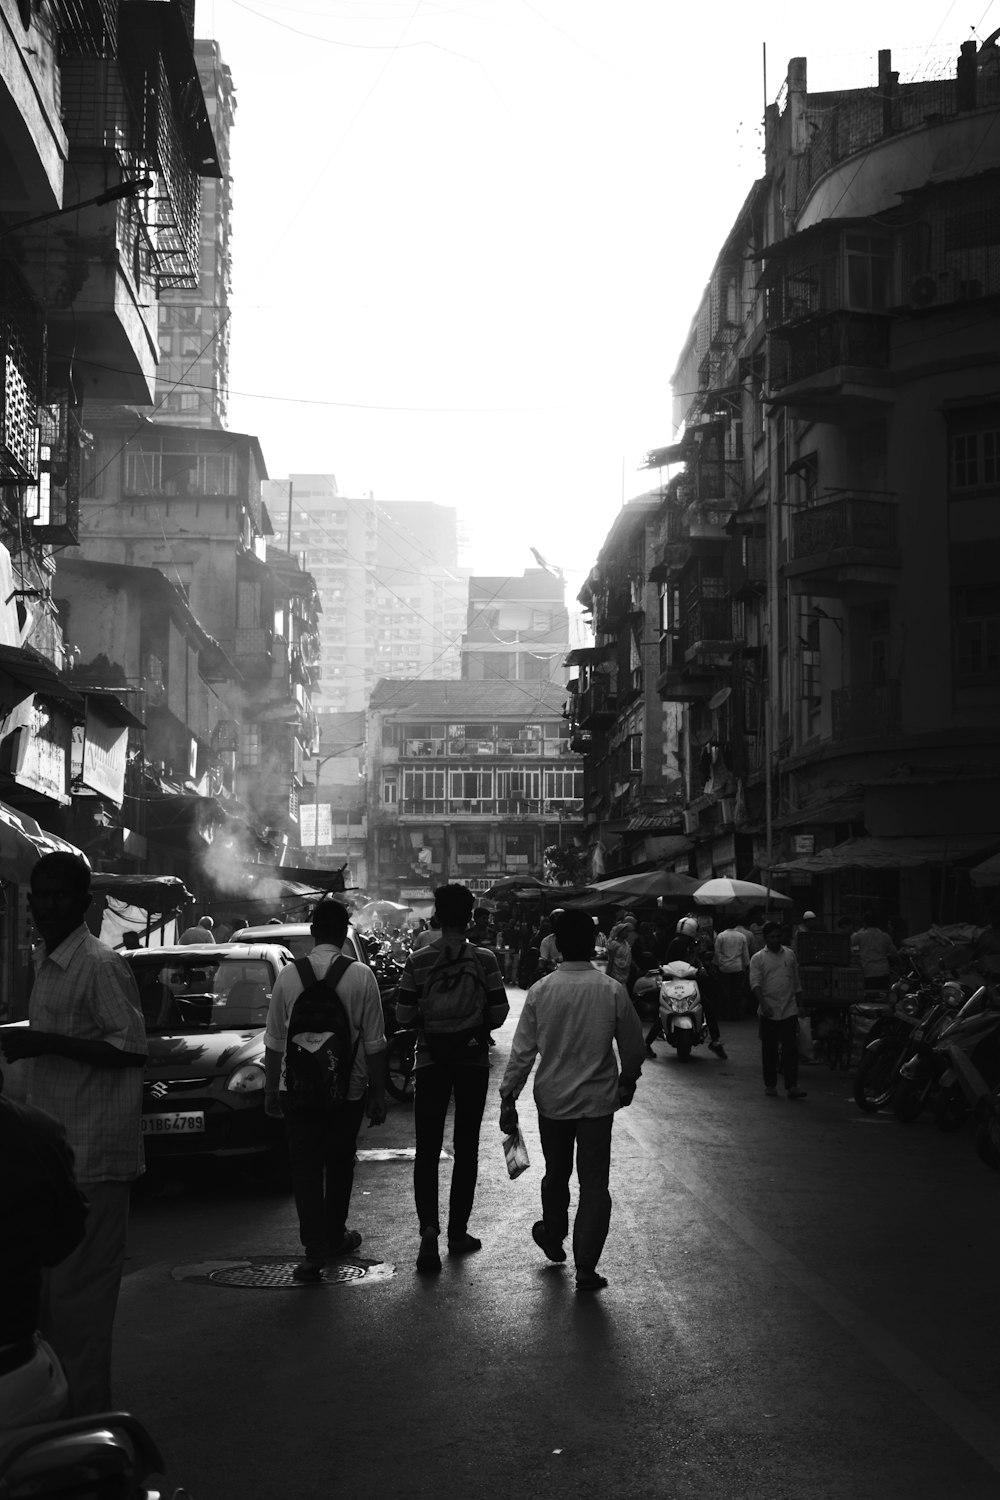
x,y
201,932
572,1019
774,981
731,956
322,1141
86,1048
448,1065
876,952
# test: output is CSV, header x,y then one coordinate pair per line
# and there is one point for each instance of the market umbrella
x,y
512,885
724,891
646,885
380,911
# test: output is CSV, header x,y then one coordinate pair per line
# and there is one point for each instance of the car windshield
x,y
204,993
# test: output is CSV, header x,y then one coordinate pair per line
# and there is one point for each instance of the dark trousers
x,y
321,1147
80,1296
779,1046
433,1087
733,993
592,1139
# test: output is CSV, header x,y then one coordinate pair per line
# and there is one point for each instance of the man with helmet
x,y
685,947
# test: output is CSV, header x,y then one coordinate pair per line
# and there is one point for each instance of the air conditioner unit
x,y
922,291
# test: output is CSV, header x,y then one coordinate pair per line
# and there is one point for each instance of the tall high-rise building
x,y
422,592
393,596
192,378
337,535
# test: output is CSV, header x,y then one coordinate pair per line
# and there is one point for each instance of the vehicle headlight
x,y
246,1080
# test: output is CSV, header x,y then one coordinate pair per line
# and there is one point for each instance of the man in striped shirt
x,y
86,1045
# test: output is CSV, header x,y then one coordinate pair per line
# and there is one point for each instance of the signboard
x,y
308,837
42,753
804,843
99,752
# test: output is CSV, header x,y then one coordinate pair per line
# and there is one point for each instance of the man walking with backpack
x,y
454,993
325,1057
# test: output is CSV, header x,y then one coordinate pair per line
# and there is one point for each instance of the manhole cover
x,y
274,1273
281,1275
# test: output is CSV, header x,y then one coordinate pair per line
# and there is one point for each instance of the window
x,y
471,785
249,747
976,634
423,786
975,459
563,786
522,785
389,789
867,271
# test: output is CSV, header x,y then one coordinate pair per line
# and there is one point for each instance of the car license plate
x,y
173,1124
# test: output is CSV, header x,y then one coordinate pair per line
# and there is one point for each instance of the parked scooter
x,y
682,1016
110,1456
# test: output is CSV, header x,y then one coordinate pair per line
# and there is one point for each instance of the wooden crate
x,y
824,948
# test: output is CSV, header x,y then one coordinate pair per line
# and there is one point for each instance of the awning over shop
x,y
894,854
36,673
114,707
988,873
23,842
159,893
837,810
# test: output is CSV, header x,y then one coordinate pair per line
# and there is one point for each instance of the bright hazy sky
x,y
470,235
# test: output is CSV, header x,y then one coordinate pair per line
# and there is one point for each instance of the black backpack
x,y
319,1055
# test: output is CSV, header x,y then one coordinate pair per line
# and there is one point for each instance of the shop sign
x,y
472,859
42,752
99,754
804,843
308,837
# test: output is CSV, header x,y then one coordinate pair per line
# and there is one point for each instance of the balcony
x,y
828,355
598,704
847,540
632,687
708,631
866,713
675,684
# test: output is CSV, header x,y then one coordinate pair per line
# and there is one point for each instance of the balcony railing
x,y
827,340
598,701
866,713
848,522
708,620
252,643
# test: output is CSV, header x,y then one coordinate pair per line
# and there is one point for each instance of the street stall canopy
x,y
725,891
23,842
895,853
159,893
644,885
988,873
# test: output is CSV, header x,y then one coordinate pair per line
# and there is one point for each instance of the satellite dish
x,y
719,698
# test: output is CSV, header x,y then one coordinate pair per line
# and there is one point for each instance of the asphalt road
x,y
803,1303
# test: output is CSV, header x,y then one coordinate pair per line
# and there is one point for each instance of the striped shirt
x,y
413,982
84,990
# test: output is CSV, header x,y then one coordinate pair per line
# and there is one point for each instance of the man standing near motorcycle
x,y
685,949
775,984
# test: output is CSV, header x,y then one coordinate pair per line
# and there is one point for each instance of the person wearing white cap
x,y
810,923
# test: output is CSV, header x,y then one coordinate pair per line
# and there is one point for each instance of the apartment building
x,y
422,593
829,534
193,333
467,781
517,628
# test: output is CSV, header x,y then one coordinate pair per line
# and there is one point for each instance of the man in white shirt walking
x,y
775,984
570,1020
732,960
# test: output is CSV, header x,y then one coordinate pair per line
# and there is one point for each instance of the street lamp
x,y
130,189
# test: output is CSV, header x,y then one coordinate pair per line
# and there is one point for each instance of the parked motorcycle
x,y
921,1073
968,1058
110,1456
890,1042
682,1016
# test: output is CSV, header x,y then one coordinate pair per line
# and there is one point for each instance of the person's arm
x,y
523,1051
631,1046
407,995
24,1041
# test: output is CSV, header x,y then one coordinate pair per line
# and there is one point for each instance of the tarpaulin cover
x,y
23,842
158,893
895,854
